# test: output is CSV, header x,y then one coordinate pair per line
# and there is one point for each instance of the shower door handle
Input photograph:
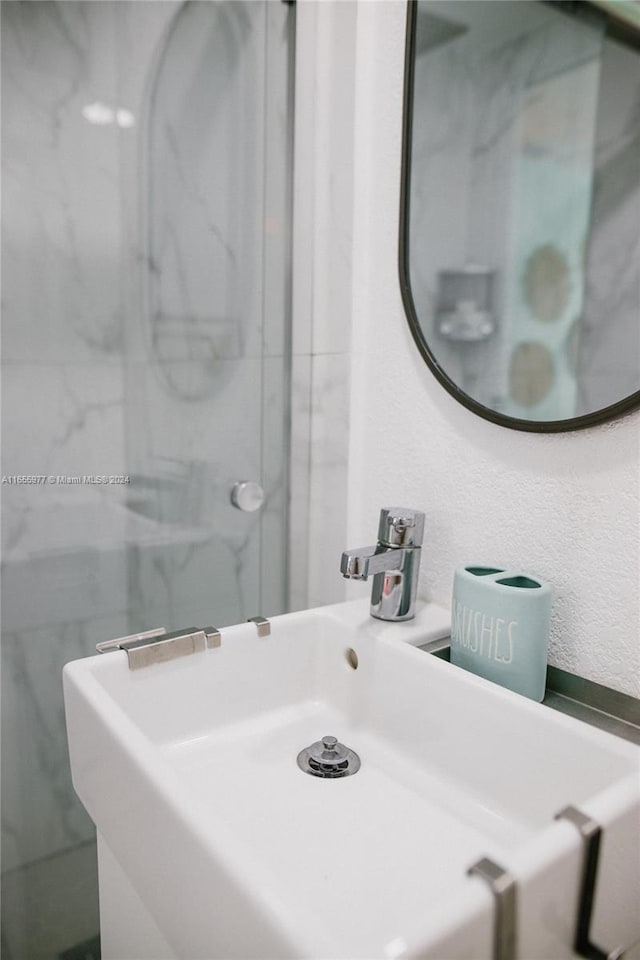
x,y
247,495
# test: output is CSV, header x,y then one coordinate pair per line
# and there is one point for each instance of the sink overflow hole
x,y
352,658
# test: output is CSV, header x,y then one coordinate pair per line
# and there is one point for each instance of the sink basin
x,y
228,849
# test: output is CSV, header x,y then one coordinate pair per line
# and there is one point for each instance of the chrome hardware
x,y
180,643
590,834
263,625
247,495
394,563
328,759
158,646
213,637
503,887
401,528
121,643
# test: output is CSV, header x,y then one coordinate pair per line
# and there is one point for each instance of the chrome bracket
x,y
213,637
263,625
121,643
503,887
158,646
590,834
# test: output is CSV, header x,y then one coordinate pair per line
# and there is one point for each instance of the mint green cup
x,y
500,623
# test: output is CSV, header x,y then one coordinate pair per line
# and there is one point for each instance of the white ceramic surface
x,y
189,771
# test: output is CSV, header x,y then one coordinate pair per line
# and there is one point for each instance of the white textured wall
x,y
562,506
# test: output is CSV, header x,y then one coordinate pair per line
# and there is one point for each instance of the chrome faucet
x,y
394,563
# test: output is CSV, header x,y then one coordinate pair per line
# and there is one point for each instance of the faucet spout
x,y
365,562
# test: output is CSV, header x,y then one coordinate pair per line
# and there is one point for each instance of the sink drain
x,y
328,759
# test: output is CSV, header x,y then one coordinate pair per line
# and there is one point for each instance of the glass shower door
x,y
210,403
146,170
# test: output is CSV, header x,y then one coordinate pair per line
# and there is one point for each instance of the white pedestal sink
x,y
214,844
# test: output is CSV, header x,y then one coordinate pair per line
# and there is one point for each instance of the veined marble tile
x,y
205,195
299,480
62,542
184,412
442,146
142,30
216,578
54,584
61,203
51,905
303,252
328,485
82,286
609,340
276,399
66,420
188,455
278,131
206,185
40,811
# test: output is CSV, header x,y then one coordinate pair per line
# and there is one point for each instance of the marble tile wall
x,y
208,375
41,813
53,904
62,218
63,585
88,254
610,333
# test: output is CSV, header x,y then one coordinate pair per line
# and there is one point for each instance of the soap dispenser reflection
x,y
465,303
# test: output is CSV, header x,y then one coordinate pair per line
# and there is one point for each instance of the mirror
x,y
520,219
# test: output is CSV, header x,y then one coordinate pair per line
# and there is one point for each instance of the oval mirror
x,y
520,219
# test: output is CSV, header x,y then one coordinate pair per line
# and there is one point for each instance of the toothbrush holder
x,y
500,627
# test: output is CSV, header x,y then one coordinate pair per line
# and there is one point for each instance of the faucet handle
x,y
401,527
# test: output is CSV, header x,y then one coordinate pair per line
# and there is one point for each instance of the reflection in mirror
x,y
520,247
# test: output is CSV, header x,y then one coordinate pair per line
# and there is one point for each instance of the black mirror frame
x,y
610,412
